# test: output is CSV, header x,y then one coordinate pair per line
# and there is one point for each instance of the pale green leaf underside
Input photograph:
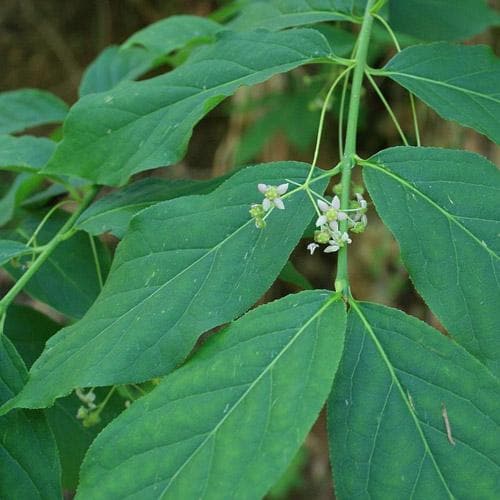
x,y
113,212
29,462
24,153
442,206
26,108
172,33
233,417
113,66
141,125
184,266
459,82
441,19
387,433
10,249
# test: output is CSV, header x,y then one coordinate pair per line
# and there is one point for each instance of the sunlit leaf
x,y
459,82
141,125
399,385
442,206
233,417
184,267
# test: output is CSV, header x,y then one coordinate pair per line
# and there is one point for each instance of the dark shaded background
x,y
47,44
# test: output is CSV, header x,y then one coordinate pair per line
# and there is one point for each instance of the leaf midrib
x,y
396,382
140,303
443,84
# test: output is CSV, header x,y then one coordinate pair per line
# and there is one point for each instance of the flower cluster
x,y
328,232
329,216
88,414
272,199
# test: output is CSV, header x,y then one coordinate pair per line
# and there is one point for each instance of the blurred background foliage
x,y
47,44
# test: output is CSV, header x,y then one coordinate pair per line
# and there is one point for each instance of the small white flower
x,y
312,247
272,195
359,214
331,212
338,240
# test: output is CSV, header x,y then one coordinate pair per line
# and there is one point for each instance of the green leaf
x,y
25,153
10,249
142,125
233,417
387,431
290,274
442,206
28,330
459,82
27,108
113,212
28,454
113,66
185,266
172,33
441,19
276,15
23,185
68,280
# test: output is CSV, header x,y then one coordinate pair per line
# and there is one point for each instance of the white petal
x,y
331,249
359,197
321,220
336,202
278,203
266,204
262,188
335,226
323,206
282,188
341,216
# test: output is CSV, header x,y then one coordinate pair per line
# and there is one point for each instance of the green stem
x,y
342,279
61,235
47,216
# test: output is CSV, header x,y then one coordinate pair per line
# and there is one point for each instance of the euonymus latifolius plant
x,y
125,401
